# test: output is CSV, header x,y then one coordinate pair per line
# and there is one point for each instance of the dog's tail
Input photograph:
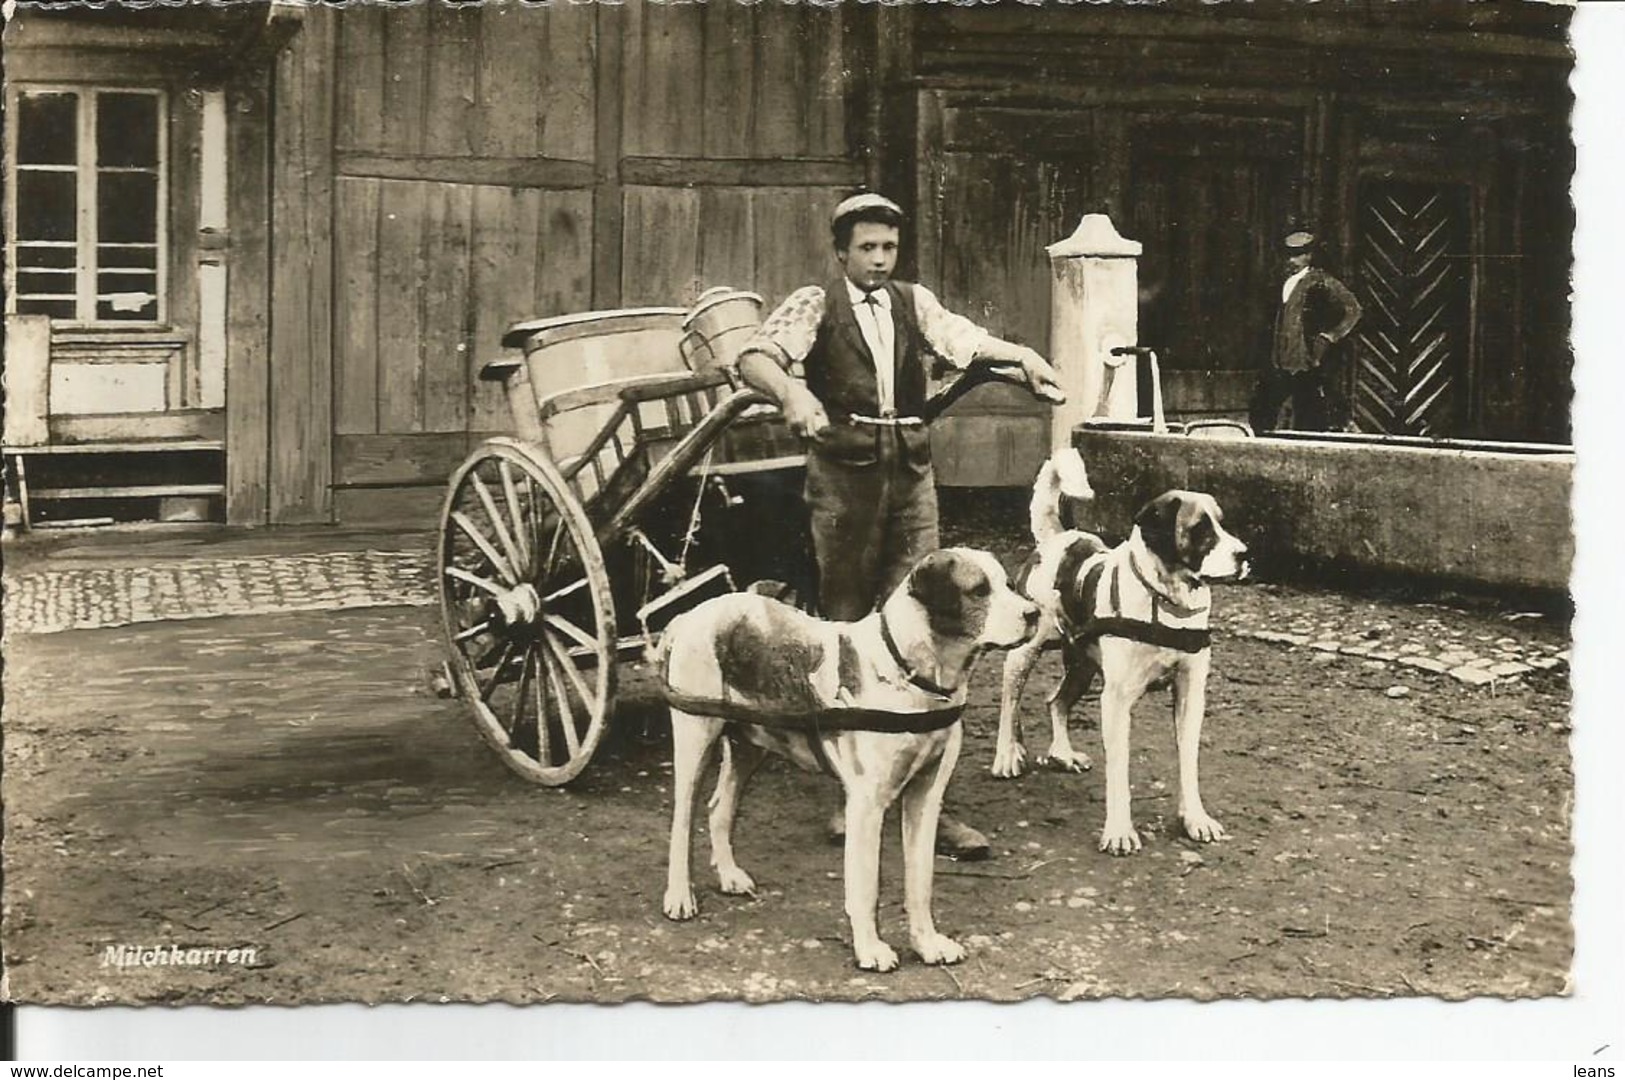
x,y
1063,475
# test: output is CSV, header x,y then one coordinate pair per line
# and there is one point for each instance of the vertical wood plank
x,y
781,128
513,85
896,108
661,246
827,105
406,50
503,286
566,117
563,253
446,246
361,76
452,39
185,136
791,237
356,365
727,239
667,50
248,303
301,357
729,110
403,206
610,29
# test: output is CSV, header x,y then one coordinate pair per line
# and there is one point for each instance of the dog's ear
x,y
935,584
1158,521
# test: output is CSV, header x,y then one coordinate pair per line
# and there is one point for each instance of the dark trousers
x,y
1315,394
870,524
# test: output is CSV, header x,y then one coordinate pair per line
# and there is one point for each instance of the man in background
x,y
1302,388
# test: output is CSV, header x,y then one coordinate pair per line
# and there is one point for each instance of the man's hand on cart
x,y
1022,365
803,412
1041,378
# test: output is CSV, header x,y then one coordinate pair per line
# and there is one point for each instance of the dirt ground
x,y
291,782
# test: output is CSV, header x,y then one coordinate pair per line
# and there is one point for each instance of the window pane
x,y
57,282
56,309
127,207
127,129
62,258
46,204
126,257
47,129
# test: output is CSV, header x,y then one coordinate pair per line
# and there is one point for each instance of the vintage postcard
x,y
682,501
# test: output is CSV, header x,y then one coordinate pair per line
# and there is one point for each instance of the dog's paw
x,y
1009,761
876,957
1115,840
1067,760
680,905
735,882
1203,829
939,949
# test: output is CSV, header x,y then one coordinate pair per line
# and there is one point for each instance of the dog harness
x,y
817,723
1082,619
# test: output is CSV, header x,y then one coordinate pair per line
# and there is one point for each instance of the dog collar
x,y
1175,608
914,678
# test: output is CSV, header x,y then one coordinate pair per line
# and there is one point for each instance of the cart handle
x,y
975,374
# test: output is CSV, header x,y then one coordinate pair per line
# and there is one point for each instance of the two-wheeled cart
x,y
575,539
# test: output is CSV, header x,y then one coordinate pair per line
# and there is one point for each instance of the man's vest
x,y
840,371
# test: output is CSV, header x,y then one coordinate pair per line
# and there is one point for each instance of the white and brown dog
x,y
875,702
1136,614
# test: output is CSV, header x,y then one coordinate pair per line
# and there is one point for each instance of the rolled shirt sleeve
x,y
787,335
953,337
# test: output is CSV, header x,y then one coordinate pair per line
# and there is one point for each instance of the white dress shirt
x,y
1292,283
874,314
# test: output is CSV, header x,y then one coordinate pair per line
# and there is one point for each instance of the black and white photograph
x,y
678,502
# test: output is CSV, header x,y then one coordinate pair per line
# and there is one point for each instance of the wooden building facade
x,y
393,184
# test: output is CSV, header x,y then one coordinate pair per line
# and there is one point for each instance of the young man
x,y
1317,312
864,343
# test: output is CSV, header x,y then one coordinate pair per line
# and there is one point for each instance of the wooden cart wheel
x,y
528,614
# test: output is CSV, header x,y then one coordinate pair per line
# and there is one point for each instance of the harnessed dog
x,y
1136,614
875,703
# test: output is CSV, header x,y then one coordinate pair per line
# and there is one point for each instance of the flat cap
x,y
868,200
1299,241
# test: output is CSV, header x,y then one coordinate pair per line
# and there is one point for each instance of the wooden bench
x,y
19,494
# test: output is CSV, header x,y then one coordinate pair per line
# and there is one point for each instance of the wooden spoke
x,y
489,688
559,594
520,733
521,532
567,715
511,520
571,631
499,524
491,554
475,580
544,750
568,667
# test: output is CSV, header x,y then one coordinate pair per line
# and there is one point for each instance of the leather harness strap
x,y
915,680
1081,623
815,725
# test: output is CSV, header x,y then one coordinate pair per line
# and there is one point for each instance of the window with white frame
x,y
86,206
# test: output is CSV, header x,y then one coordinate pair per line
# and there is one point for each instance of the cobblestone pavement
x,y
1475,648
90,597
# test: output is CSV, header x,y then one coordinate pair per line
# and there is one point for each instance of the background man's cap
x,y
1299,241
866,201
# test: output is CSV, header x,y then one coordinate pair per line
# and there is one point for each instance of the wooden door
x,y
1414,280
1210,197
